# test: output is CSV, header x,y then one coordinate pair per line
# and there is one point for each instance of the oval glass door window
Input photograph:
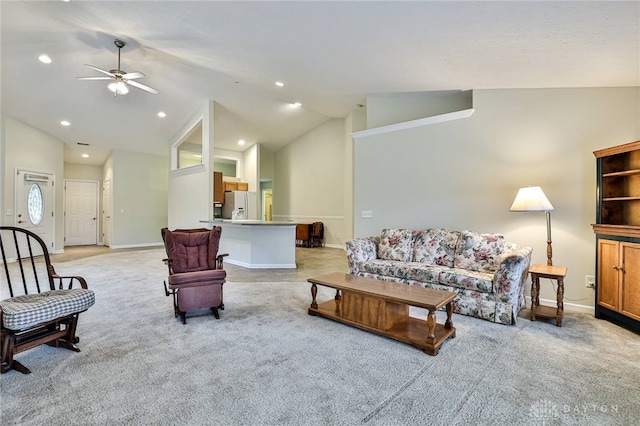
x,y
35,204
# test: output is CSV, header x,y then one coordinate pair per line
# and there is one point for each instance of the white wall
x,y
266,164
251,157
139,198
465,174
383,110
29,148
190,197
232,155
3,145
309,181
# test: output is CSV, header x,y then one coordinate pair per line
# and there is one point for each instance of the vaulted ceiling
x,y
329,55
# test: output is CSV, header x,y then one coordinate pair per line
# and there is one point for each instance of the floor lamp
x,y
532,199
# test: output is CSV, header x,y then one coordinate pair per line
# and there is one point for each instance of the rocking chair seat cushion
x,y
197,278
23,312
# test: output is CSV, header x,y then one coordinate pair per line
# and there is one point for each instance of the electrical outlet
x,y
590,281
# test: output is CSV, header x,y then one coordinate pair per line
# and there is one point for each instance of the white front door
x,y
35,204
81,209
106,213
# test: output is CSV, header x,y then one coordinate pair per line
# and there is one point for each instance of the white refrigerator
x,y
236,200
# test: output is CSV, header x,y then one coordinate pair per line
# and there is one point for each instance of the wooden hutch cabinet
x,y
617,230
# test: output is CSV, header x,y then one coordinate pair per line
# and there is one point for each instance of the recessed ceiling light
x,y
85,155
296,104
279,84
44,59
161,114
65,123
241,142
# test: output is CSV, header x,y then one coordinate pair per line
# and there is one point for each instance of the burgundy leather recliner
x,y
196,273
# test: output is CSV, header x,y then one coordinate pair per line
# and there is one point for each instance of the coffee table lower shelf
x,y
414,331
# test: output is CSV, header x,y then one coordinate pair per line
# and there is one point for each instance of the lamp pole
x,y
549,251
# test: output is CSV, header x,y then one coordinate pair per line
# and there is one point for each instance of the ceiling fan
x,y
120,78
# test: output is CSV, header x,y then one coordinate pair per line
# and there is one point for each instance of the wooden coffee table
x,y
383,308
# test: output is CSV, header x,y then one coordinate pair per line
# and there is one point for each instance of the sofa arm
x,y
511,275
361,250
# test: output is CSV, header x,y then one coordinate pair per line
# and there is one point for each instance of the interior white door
x,y
106,212
81,210
35,204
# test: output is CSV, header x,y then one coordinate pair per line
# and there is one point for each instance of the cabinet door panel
x,y
218,188
630,288
608,274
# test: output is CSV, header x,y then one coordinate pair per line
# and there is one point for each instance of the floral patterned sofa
x,y
487,272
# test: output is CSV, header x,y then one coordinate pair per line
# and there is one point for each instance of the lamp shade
x,y
531,199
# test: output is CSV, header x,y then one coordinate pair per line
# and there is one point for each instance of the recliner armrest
x,y
219,260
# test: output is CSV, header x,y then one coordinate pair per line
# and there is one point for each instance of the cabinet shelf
x,y
620,199
622,173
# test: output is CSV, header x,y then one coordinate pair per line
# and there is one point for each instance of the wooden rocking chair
x,y
42,307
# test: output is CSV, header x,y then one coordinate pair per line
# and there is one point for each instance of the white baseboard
x,y
568,306
122,246
260,265
338,246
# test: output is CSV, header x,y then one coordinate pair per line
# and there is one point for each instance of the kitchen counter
x,y
257,244
249,222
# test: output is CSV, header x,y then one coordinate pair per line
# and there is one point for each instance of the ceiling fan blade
x,y
142,86
110,74
94,78
132,75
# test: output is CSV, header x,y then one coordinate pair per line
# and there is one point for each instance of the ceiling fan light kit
x,y
118,88
121,79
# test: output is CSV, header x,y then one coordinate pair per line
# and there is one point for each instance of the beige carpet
x,y
266,362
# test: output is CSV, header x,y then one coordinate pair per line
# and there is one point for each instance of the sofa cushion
x,y
435,246
405,270
389,268
478,252
396,244
425,273
471,280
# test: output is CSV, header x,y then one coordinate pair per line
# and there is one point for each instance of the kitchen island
x,y
257,244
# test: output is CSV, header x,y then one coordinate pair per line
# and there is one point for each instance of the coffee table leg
x,y
314,292
449,323
338,296
431,327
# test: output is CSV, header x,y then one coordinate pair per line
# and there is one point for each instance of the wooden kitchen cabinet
x,y
230,186
617,231
218,188
619,277
235,186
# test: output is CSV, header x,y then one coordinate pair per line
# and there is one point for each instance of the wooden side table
x,y
553,272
